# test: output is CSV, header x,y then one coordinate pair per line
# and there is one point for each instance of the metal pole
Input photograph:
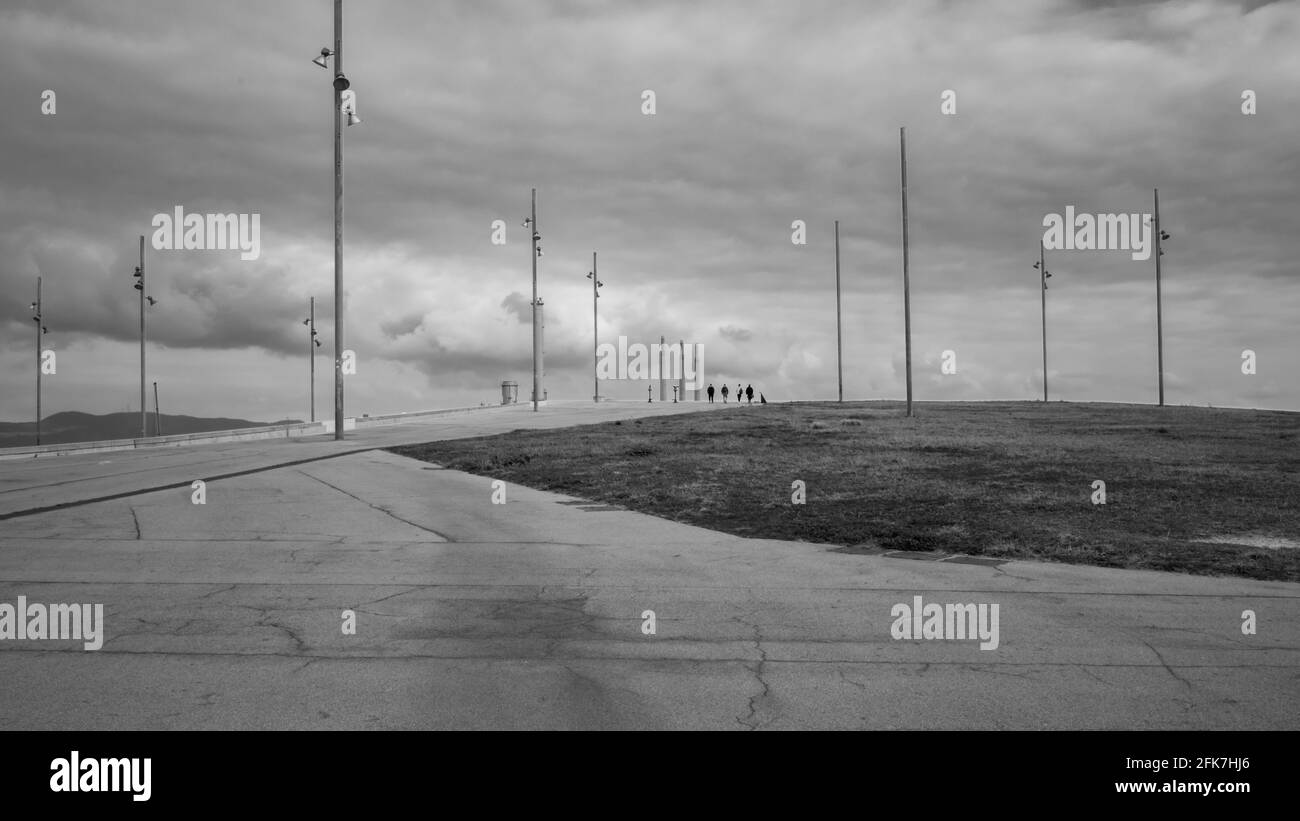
x,y
595,328
839,340
40,319
907,303
539,340
311,352
1042,276
338,221
537,368
663,386
1160,333
144,408
681,374
695,369
157,417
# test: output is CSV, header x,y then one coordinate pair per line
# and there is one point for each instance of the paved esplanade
x,y
529,614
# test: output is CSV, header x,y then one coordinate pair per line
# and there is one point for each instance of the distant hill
x,y
74,426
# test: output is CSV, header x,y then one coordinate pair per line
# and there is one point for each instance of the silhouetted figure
x,y
761,399
724,394
749,393
739,393
710,391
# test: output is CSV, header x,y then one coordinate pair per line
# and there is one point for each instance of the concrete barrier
x,y
399,418
175,440
239,435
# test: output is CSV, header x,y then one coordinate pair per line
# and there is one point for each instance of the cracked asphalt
x,y
528,615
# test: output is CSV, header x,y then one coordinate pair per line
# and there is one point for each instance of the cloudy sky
x,y
765,113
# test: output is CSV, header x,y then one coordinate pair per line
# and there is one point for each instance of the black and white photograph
x,y
918,367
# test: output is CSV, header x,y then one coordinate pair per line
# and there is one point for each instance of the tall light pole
x,y
531,221
1043,276
907,299
1160,333
40,330
312,344
839,340
157,417
341,84
595,329
139,286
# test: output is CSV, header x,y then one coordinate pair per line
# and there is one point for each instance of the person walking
x,y
724,393
710,392
739,393
749,393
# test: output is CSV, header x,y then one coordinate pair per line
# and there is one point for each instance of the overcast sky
x,y
765,113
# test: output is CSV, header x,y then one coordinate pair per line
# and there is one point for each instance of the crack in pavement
x,y
264,622
1185,682
402,592
1088,672
135,519
848,680
212,593
381,509
749,721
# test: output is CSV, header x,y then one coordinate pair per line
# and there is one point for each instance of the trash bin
x,y
509,393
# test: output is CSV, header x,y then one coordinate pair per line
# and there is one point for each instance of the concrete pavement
x,y
529,614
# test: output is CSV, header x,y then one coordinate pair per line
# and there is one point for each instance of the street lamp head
x,y
539,251
353,119
152,301
325,54
527,222
1035,266
138,287
317,341
307,321
342,83
1164,234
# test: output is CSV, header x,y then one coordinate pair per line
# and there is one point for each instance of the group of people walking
x,y
747,393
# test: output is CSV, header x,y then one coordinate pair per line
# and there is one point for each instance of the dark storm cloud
x,y
766,113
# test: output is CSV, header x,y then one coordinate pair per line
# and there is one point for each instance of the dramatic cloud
x,y
765,113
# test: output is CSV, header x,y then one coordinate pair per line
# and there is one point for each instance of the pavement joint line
x,y
380,508
221,458
742,660
599,586
746,661
175,485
